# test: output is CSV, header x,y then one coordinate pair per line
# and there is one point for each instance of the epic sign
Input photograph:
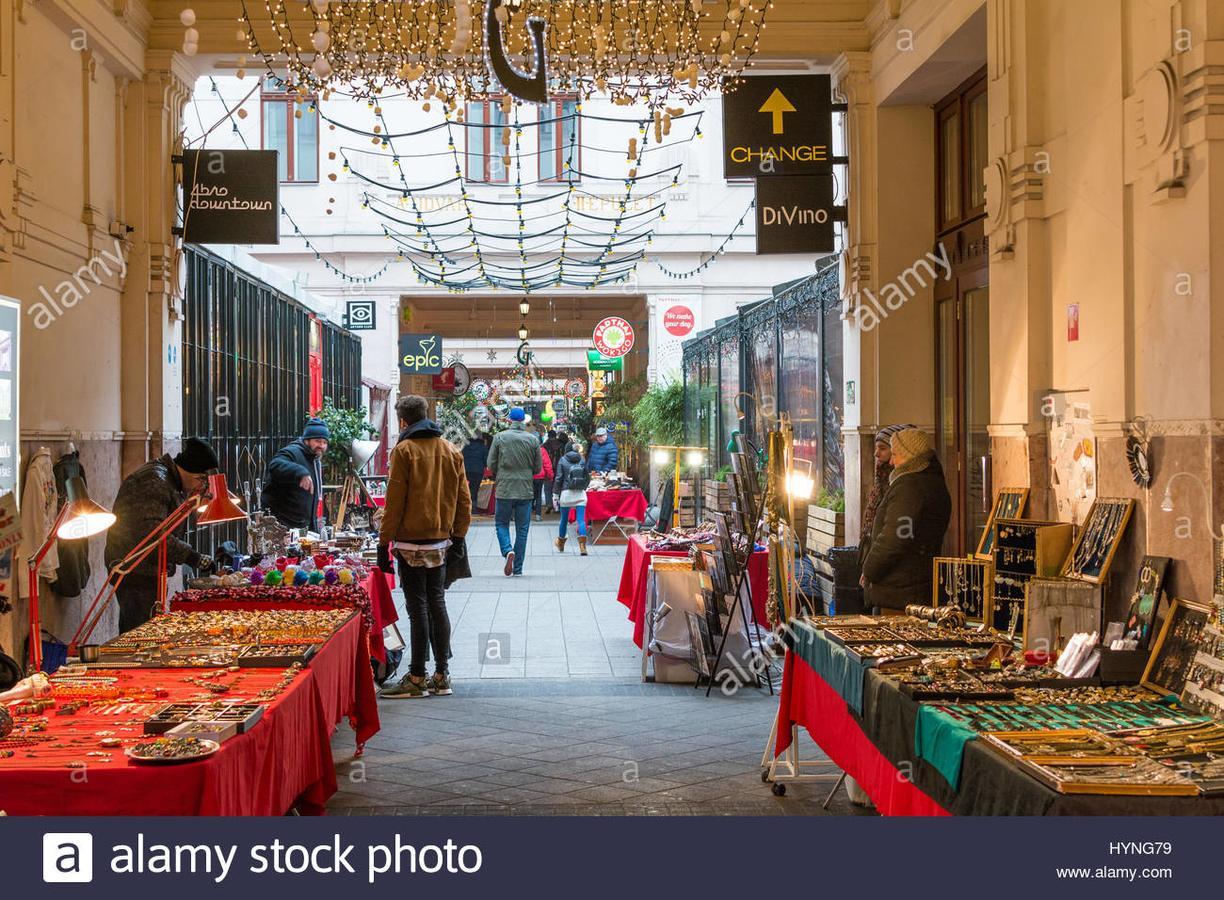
x,y
420,354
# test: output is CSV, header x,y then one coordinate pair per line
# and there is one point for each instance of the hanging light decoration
x,y
437,48
522,332
524,307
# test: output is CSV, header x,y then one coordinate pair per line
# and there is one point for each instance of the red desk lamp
x,y
79,518
214,506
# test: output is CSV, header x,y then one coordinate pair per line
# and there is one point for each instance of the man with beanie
x,y
515,461
145,498
293,482
428,509
909,525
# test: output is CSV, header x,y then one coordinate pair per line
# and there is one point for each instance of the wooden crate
x,y
826,529
717,495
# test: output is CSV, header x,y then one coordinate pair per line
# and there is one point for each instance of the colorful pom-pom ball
x,y
301,576
257,577
346,576
330,575
316,577
273,578
290,571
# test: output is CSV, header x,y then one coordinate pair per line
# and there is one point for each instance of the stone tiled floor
x,y
550,717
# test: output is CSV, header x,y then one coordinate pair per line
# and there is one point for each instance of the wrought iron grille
x,y
246,380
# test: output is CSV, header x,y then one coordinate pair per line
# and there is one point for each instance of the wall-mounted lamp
x,y
1166,501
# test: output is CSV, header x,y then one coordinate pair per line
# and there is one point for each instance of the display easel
x,y
739,577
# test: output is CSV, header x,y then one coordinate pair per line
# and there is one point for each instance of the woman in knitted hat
x,y
883,468
909,525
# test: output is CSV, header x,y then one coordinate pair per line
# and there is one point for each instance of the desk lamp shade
x,y
220,508
84,517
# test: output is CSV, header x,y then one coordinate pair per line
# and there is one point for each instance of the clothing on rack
x,y
39,507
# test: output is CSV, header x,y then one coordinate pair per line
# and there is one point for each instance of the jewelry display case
x,y
1097,542
1023,548
1057,608
1009,504
1175,647
966,583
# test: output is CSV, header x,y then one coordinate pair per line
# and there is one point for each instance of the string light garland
x,y
705,264
571,247
436,48
327,264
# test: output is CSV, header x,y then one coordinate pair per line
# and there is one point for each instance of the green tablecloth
x,y
843,672
940,740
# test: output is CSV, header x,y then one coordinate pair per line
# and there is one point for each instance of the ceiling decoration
x,y
629,49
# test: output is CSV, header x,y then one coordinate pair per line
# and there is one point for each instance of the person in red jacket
x,y
544,477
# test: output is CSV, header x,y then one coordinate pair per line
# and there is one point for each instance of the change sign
x,y
420,354
794,215
778,125
230,197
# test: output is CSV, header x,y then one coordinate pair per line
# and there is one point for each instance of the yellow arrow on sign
x,y
777,104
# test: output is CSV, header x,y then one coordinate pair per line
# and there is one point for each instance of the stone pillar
x,y
151,376
852,78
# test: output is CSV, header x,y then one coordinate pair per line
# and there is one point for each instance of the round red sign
x,y
678,321
613,336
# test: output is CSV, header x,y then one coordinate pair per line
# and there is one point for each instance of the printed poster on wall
x,y
1073,470
10,430
673,320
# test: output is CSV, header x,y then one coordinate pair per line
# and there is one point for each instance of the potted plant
x,y
826,524
717,494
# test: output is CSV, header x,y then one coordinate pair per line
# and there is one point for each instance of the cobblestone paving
x,y
563,724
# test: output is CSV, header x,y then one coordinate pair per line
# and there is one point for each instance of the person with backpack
x,y
570,486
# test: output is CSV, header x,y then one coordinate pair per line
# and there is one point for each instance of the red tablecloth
x,y
283,762
632,591
809,701
603,505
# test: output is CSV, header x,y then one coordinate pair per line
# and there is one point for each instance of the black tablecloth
x,y
991,785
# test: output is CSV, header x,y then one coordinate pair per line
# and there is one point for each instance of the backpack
x,y
577,478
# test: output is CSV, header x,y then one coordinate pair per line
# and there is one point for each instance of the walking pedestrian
x,y
604,455
570,490
475,459
514,460
428,508
541,484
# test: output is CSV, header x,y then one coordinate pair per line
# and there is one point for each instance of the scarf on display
x,y
882,471
910,466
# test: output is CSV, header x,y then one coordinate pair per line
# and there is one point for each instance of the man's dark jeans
x,y
137,596
425,599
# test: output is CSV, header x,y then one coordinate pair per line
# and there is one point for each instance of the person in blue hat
x,y
293,481
515,461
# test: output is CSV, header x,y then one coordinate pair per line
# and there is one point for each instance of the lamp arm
x,y
124,567
1206,501
35,609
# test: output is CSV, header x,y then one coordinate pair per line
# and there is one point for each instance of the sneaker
x,y
408,688
508,568
440,684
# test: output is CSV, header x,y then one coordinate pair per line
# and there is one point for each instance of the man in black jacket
x,y
145,498
909,525
475,459
293,482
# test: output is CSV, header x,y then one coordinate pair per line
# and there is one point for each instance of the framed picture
x,y
1146,600
1175,647
727,546
1009,504
699,642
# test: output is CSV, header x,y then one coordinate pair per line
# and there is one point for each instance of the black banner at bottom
x,y
465,857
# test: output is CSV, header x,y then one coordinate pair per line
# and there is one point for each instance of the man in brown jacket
x,y
428,507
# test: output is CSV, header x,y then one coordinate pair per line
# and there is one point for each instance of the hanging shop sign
x,y
230,197
597,362
463,379
420,354
361,315
444,381
778,125
613,336
794,215
576,387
